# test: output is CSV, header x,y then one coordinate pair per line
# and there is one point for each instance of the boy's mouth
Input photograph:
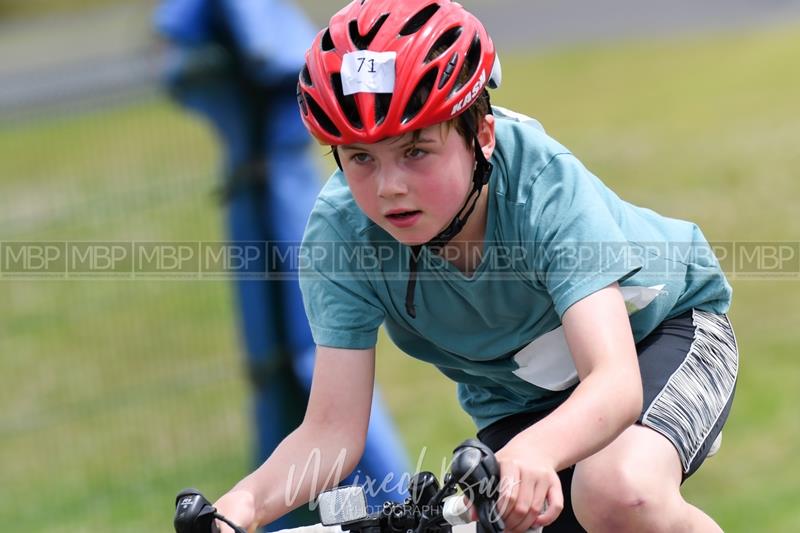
x,y
402,215
403,219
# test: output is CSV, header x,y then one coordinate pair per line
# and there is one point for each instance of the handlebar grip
x,y
474,465
194,513
477,472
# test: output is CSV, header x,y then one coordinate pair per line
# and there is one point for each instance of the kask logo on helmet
x,y
470,96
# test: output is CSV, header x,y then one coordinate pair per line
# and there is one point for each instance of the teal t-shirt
x,y
555,234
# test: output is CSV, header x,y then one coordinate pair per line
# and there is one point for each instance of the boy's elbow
x,y
342,439
627,400
354,454
353,451
354,442
634,402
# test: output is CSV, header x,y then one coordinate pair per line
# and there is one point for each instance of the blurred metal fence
x,y
112,389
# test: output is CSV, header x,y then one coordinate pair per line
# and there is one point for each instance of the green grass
x,y
114,394
108,387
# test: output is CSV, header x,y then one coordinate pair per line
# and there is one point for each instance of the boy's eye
x,y
360,157
415,153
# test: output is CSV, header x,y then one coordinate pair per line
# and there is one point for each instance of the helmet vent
x,y
301,101
305,76
346,103
443,43
420,95
471,62
321,117
418,21
362,42
327,41
382,103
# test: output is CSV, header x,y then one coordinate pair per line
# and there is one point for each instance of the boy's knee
x,y
616,498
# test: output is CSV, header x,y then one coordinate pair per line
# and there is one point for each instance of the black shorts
x,y
689,366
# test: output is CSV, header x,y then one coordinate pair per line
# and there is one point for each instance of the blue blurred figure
x,y
236,63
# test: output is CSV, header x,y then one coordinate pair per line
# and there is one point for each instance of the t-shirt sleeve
x,y
342,307
576,243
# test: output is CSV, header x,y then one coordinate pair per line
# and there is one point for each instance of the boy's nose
x,y
392,183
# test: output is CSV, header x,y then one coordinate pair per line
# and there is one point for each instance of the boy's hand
x,y
530,490
237,506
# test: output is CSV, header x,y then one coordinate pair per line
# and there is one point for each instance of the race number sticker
x,y
368,72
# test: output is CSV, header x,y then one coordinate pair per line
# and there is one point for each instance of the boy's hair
x,y
477,111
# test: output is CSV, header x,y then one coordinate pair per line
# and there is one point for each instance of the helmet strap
x,y
336,157
480,177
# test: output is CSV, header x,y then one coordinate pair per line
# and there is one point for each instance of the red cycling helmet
x,y
384,68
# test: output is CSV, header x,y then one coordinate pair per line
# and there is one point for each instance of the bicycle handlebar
x,y
428,509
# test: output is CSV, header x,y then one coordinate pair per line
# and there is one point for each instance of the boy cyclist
x,y
588,336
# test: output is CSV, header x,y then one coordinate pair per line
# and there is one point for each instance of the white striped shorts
x,y
689,366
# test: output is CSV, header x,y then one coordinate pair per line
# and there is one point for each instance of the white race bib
x,y
368,72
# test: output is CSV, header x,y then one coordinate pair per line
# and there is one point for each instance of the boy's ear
x,y
486,136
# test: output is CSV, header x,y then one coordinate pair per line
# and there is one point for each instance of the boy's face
x,y
411,189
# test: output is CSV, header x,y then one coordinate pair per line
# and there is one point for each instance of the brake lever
x,y
195,514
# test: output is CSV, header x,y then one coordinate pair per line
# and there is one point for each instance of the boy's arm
x,y
606,402
609,396
318,454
